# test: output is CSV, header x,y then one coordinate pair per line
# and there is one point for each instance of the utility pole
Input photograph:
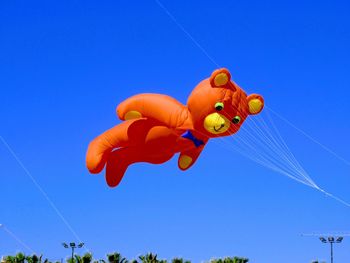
x,y
73,246
332,239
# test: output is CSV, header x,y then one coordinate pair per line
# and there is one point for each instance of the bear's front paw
x,y
184,162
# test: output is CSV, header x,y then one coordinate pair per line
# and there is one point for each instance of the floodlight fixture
x,y
323,240
331,239
65,245
339,239
72,245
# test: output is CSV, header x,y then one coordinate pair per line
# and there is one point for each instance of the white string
x,y
268,165
266,147
278,141
262,161
272,152
186,32
310,137
41,190
17,238
285,145
328,234
252,149
334,197
253,152
276,144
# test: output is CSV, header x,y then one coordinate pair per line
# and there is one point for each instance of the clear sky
x,y
65,65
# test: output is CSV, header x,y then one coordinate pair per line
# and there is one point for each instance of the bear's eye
x,y
219,106
236,120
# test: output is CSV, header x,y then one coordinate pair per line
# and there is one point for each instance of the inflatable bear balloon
x,y
155,127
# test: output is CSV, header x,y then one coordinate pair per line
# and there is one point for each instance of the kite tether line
x,y
310,137
41,190
272,151
21,242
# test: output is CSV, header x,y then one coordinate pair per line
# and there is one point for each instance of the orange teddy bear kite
x,y
157,126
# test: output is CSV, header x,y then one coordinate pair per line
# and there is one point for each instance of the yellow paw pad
x,y
130,115
221,79
185,161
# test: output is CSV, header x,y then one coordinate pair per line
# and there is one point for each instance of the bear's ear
x,y
221,78
255,104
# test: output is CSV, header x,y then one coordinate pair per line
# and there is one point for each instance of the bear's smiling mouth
x,y
221,126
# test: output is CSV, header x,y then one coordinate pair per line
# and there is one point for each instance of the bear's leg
x,y
119,160
117,163
125,134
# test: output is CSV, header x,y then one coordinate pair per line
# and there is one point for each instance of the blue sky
x,y
65,65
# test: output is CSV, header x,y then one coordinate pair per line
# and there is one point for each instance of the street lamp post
x,y
73,246
331,240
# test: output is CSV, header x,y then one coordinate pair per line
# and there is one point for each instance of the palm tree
x,y
240,260
10,259
20,257
78,259
180,260
230,260
34,259
116,258
86,258
151,258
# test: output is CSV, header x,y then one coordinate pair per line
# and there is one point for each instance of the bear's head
x,y
218,106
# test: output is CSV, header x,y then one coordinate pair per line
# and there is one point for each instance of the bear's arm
x,y
188,158
161,108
